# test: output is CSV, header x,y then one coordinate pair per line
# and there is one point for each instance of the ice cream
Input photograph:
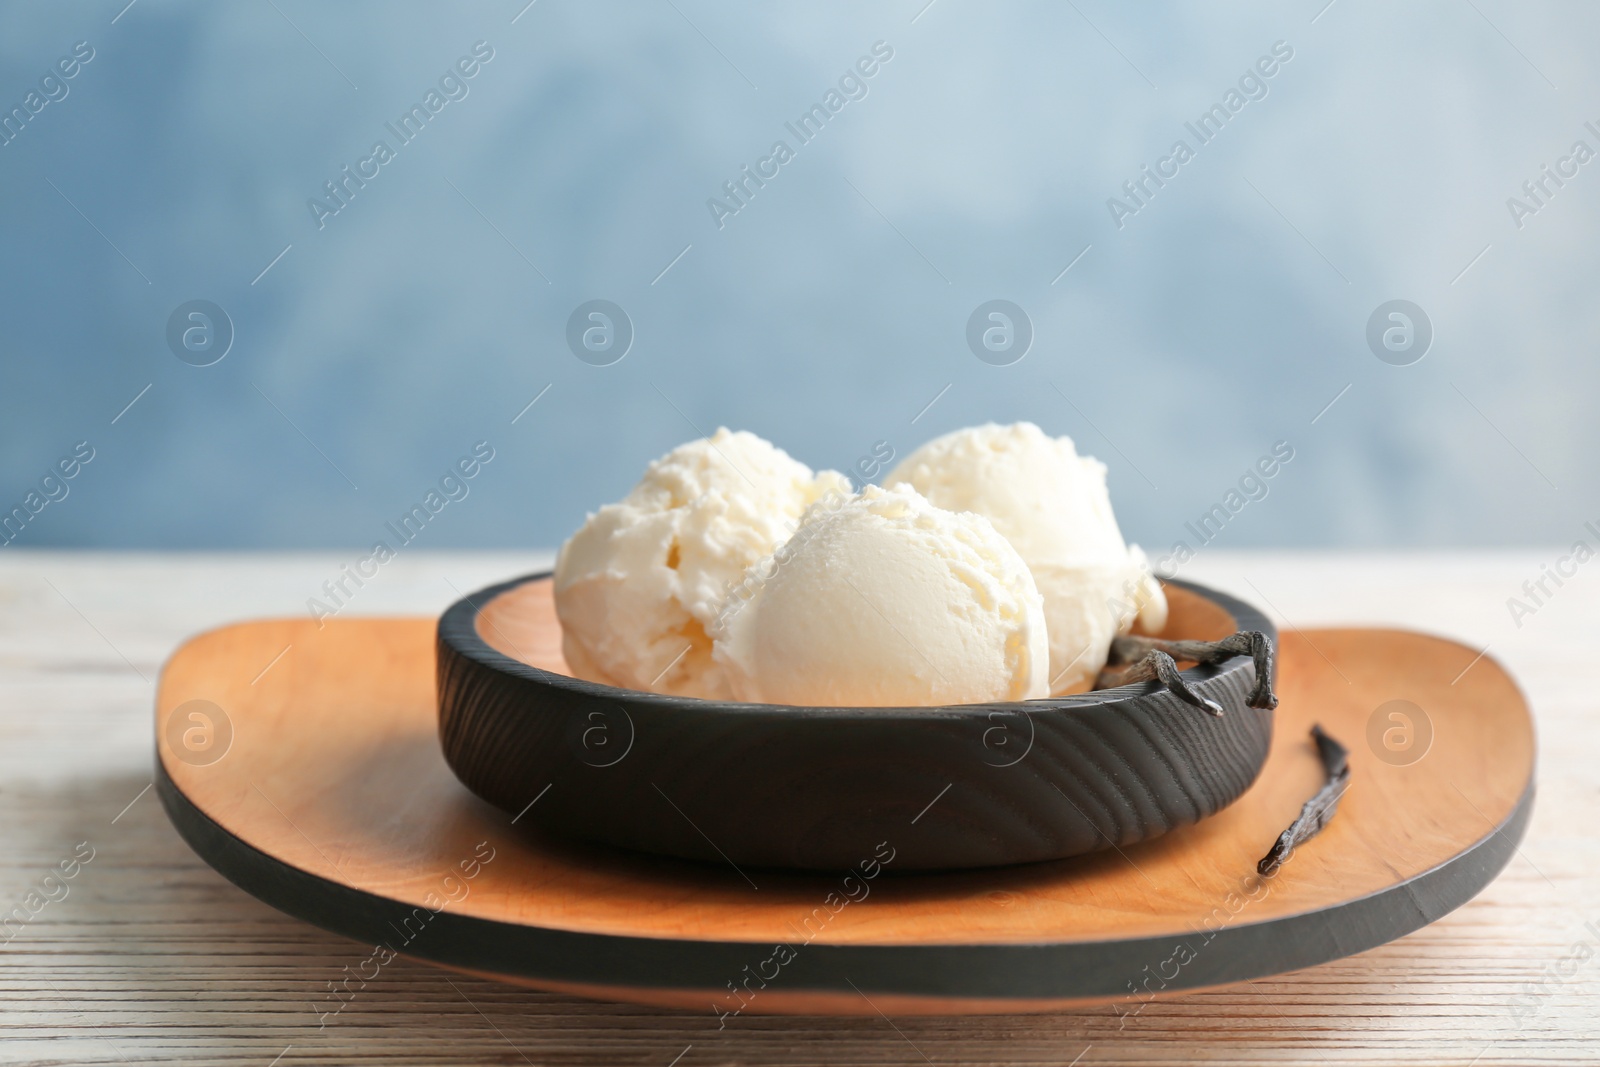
x,y
639,584
885,600
1052,506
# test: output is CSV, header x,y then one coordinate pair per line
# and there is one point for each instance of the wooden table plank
x,y
152,957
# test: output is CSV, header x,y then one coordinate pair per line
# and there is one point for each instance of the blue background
x,y
826,314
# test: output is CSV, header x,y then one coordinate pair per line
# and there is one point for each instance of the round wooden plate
x,y
818,788
319,786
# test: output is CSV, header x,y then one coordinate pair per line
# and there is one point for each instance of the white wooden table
x,y
152,957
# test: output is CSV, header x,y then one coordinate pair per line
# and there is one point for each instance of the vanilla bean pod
x,y
1319,809
1150,659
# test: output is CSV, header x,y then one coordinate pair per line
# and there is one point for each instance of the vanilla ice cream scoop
x,y
1052,506
886,600
637,587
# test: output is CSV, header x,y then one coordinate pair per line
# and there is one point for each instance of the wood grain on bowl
x,y
818,788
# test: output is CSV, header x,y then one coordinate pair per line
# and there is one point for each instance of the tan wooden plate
x,y
319,787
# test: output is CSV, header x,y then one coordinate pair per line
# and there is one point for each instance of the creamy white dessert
x,y
1051,504
884,599
640,583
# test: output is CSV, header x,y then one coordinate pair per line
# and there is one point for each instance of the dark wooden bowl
x,y
766,785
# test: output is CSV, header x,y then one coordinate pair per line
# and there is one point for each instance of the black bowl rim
x,y
458,628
